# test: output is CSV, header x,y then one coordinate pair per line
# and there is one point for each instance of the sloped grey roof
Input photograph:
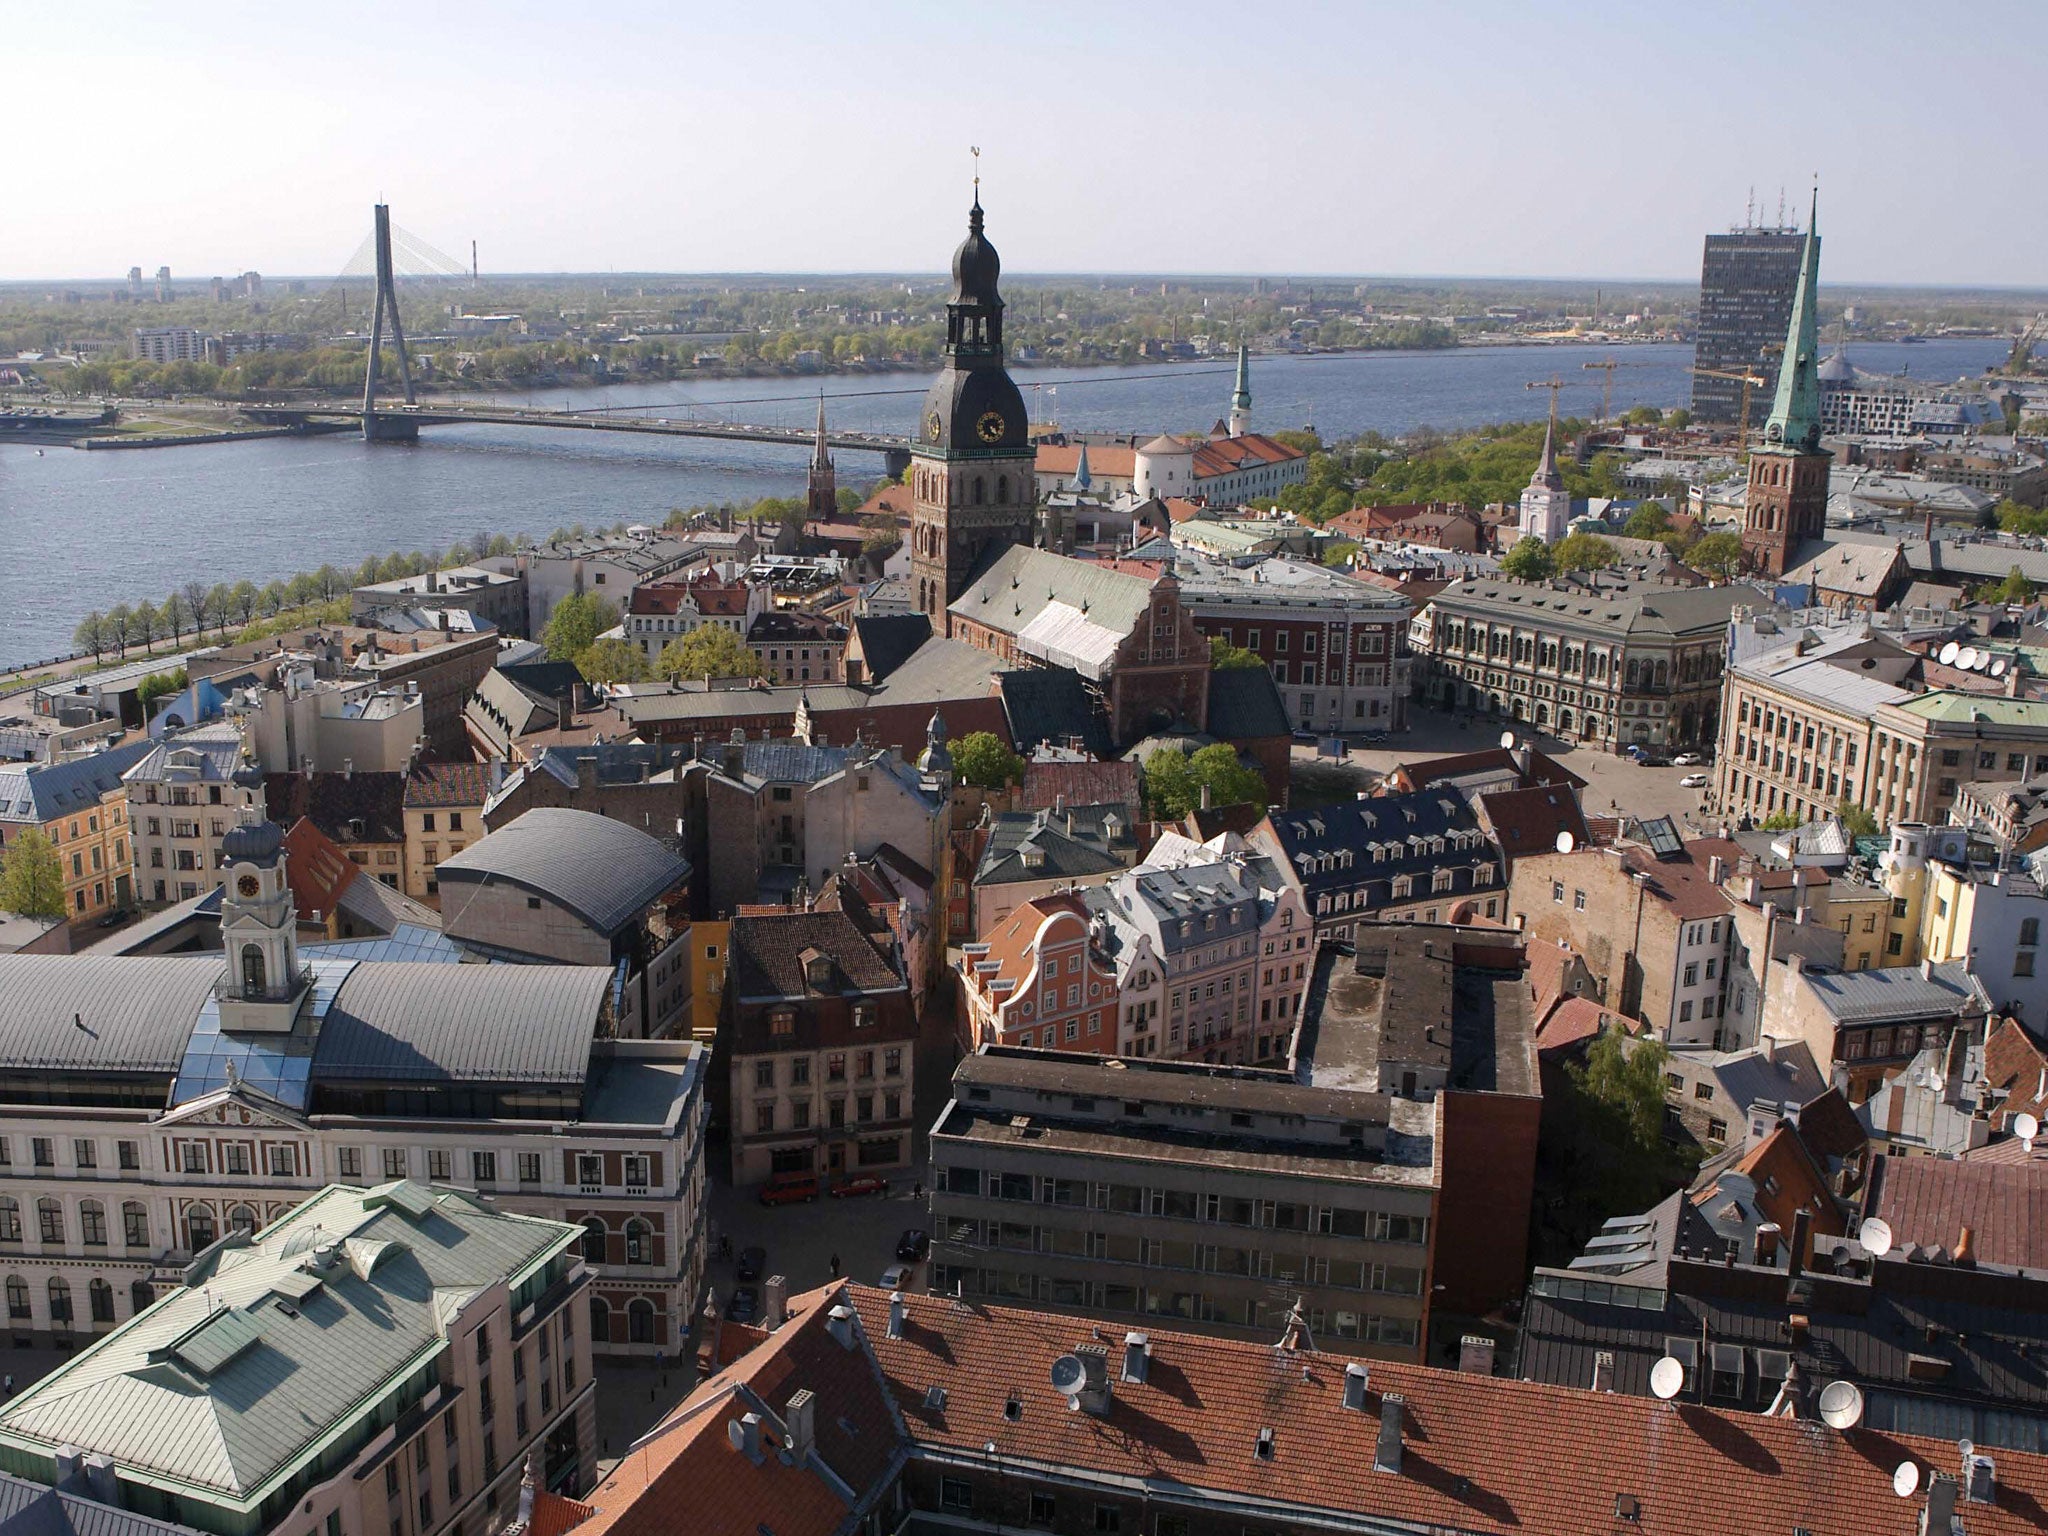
x,y
100,1013
889,640
1244,703
30,1509
419,1021
42,792
938,672
602,870
1897,992
228,1422
217,744
1021,582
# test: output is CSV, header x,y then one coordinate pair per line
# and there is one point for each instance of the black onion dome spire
x,y
977,268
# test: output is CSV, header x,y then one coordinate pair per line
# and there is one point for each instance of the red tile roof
x,y
1226,455
1787,1180
1116,462
315,868
1525,821
1929,1200
2015,1066
431,785
554,1515
1480,1453
1112,783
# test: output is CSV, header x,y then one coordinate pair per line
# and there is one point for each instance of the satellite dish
x,y
1507,739
1874,1237
1967,658
735,1434
1841,1405
1067,1375
1667,1376
1949,653
1566,842
2026,1127
1906,1479
1998,665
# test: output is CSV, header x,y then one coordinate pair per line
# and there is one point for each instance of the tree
x,y
2012,517
1649,522
1855,819
2014,589
1678,418
881,535
332,582
1628,1085
1718,555
1584,552
303,590
32,877
981,759
91,634
159,685
708,651
1783,821
1225,657
612,661
1529,560
120,625
1338,552
243,599
196,605
849,500
176,616
273,599
575,623
1174,780
148,624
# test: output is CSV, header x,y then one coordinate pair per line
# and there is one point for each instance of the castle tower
x,y
1787,504
1546,505
821,497
264,984
973,487
1241,396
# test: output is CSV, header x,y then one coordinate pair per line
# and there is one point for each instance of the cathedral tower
x,y
1241,396
973,489
1546,504
1787,503
821,498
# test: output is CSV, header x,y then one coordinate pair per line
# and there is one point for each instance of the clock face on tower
x,y
247,886
933,426
990,427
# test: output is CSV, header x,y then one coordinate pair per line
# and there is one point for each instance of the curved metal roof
x,y
101,1013
602,870
422,1022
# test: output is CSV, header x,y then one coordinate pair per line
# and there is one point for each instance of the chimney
x,y
586,772
1603,1370
897,1312
348,767
1095,1393
1386,1456
746,1436
1941,1506
104,1488
775,1302
69,1459
1802,1229
1357,1376
839,1322
1980,1476
1475,1355
1966,1247
1137,1356
1208,798
1767,1236
1927,968
736,755
1717,868
799,1426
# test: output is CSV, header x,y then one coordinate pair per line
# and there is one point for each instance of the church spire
x,y
821,456
1795,412
1083,479
1546,475
1241,395
821,494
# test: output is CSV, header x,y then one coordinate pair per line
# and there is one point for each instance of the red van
x,y
789,1188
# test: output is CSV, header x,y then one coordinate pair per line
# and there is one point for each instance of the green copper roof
x,y
1952,704
1795,413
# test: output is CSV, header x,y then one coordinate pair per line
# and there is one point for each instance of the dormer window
x,y
863,1015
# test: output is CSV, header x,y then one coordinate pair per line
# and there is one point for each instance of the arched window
x,y
1002,489
10,1219
101,1296
50,1220
60,1302
135,1224
639,1242
600,1320
980,490
199,1229
593,1240
242,1219
17,1299
141,1296
92,1223
252,971
639,1321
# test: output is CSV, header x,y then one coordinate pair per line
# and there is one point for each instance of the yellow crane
x,y
1748,381
1606,366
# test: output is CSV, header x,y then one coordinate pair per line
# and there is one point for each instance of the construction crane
x,y
1748,381
1607,366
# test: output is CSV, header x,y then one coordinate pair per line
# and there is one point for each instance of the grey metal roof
x,y
937,672
1244,704
42,792
1628,607
642,1082
1897,992
227,1425
214,751
100,1013
30,1509
419,1021
603,870
1022,581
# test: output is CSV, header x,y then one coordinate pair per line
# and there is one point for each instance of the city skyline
x,y
1494,143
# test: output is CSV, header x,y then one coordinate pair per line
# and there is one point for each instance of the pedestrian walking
x,y
835,1272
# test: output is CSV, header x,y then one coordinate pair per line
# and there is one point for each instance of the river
x,y
87,530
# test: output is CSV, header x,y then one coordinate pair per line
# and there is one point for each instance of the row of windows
x,y
99,1300
92,1222
1185,1205
835,1067
1125,1247
85,1152
767,1116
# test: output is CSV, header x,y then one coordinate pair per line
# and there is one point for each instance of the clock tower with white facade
x,y
265,981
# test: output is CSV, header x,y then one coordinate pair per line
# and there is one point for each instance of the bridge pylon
x,y
386,429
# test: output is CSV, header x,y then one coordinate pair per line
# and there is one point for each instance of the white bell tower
x,y
264,984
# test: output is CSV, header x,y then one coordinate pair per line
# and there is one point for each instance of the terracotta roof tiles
x,y
1929,1200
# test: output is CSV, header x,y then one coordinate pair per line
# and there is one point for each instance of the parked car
x,y
789,1188
753,1263
1693,781
913,1245
745,1305
895,1277
860,1184
1687,760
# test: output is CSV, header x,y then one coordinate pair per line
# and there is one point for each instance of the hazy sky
x,y
1524,138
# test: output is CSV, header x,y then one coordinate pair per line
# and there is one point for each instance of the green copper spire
x,y
1795,413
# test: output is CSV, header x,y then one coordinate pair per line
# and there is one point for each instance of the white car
x,y
896,1277
1687,760
1693,781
